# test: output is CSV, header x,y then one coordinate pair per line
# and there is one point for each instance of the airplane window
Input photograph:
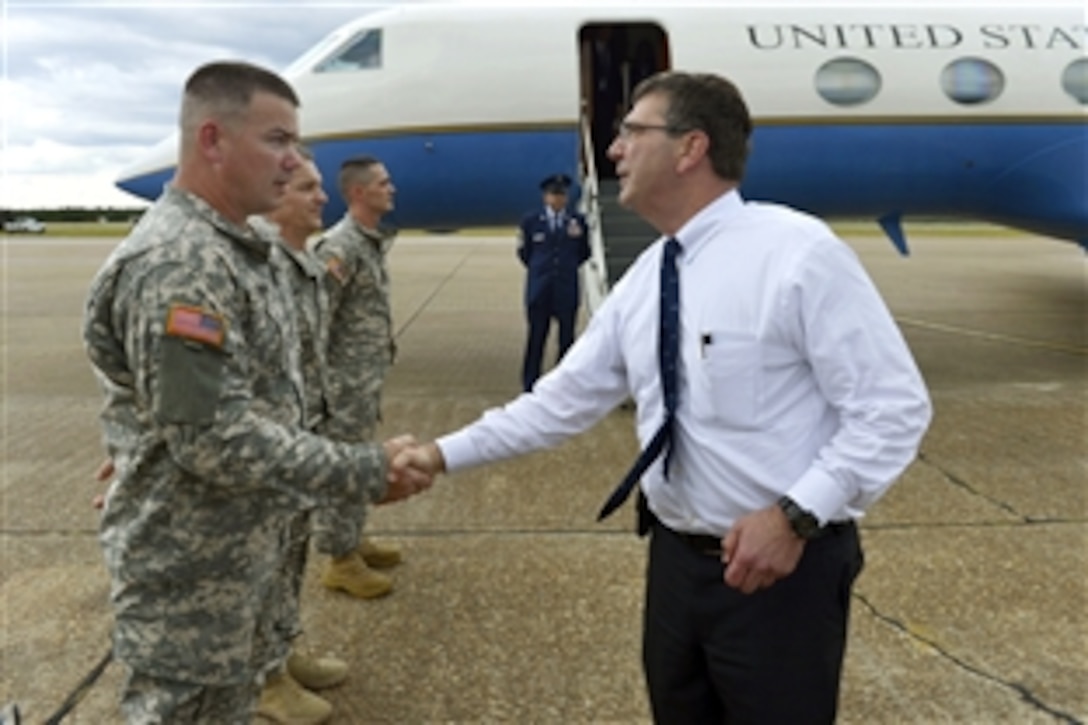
x,y
847,81
361,52
1075,80
972,80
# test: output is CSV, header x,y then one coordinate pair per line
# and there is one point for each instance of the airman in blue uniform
x,y
553,242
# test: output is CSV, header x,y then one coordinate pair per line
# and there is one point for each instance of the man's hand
x,y
404,480
102,475
760,549
425,458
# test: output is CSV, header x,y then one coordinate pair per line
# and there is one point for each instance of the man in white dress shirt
x,y
799,404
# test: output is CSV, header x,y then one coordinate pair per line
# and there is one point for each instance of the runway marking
x,y
993,336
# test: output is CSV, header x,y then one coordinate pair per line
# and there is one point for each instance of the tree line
x,y
101,214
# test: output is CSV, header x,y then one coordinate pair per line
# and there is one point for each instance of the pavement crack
x,y
425,304
961,483
1025,693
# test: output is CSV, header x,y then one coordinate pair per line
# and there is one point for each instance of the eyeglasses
x,y
634,128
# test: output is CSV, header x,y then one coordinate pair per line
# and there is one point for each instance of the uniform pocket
x,y
730,365
190,381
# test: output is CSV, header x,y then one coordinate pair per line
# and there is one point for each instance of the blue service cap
x,y
556,184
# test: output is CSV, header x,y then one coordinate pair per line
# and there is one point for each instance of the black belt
x,y
701,543
712,545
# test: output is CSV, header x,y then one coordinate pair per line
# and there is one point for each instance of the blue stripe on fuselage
x,y
1027,175
457,179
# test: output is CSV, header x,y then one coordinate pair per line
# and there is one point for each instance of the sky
x,y
87,88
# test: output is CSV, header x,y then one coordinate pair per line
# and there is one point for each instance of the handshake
x,y
412,467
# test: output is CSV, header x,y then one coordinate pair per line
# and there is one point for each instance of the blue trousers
x,y
540,314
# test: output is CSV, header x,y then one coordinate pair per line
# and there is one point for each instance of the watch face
x,y
802,522
806,525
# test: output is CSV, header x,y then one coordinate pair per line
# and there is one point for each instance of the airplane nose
x,y
145,186
147,178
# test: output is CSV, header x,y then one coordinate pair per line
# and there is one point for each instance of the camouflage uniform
x,y
186,703
361,349
194,343
303,276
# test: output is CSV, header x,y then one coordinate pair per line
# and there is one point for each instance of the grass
x,y
846,227
862,227
87,229
121,229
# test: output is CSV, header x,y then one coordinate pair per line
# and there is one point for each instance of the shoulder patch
x,y
196,323
336,269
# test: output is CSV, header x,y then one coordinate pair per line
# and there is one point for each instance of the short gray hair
x,y
711,104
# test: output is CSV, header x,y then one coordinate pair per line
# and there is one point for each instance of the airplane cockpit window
x,y
972,80
847,81
362,51
1075,80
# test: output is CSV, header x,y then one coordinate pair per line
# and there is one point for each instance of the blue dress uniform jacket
x,y
552,258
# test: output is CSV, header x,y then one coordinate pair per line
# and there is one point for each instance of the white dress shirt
x,y
794,378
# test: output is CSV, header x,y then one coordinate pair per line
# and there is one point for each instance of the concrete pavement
x,y
513,604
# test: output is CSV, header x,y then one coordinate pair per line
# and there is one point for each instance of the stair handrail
x,y
595,270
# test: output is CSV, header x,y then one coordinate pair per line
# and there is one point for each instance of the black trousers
x,y
540,314
714,655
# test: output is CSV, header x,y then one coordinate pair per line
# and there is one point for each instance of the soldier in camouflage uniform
x,y
361,349
298,215
195,346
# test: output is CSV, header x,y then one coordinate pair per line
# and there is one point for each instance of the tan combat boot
x,y
351,574
286,702
316,673
379,556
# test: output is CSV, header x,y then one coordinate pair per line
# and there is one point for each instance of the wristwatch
x,y
803,523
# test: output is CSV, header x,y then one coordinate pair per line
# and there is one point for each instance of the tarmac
x,y
513,604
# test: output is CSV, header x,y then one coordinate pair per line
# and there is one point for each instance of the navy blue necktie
x,y
668,352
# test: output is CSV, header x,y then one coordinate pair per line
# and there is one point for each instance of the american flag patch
x,y
195,323
336,269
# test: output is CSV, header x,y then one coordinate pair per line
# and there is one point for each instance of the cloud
x,y
88,87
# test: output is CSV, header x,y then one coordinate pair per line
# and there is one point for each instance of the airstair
x,y
616,235
625,234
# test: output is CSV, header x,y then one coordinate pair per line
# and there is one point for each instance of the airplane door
x,y
615,57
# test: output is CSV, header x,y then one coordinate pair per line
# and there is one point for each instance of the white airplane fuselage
x,y
960,112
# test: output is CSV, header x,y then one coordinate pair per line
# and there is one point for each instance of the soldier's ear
x,y
355,190
209,139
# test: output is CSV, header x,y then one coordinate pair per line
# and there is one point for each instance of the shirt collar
x,y
695,233
246,236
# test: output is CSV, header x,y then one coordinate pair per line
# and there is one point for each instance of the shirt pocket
x,y
729,392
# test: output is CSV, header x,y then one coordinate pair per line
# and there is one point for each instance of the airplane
x,y
875,111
